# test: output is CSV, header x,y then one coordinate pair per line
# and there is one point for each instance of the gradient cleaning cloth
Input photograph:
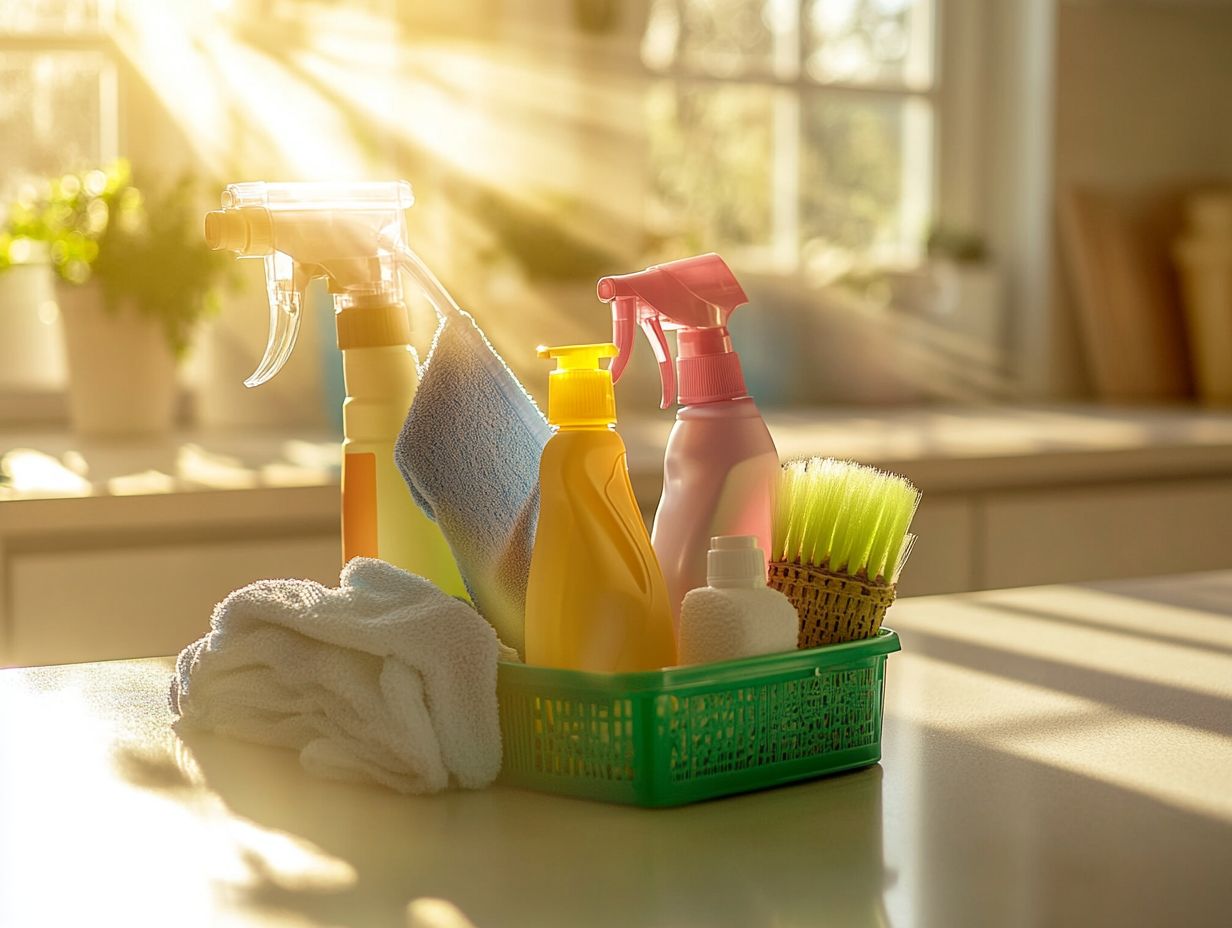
x,y
469,452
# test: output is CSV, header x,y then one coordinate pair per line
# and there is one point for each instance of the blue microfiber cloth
x,y
469,451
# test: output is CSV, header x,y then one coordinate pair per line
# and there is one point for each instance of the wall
x,y
1142,91
1015,133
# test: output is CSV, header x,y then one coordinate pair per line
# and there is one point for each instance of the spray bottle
x,y
720,471
346,233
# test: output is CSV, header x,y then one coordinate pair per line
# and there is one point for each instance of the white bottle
x,y
737,615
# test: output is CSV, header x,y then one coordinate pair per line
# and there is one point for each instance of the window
x,y
794,134
57,87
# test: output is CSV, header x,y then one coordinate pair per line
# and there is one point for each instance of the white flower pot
x,y
122,372
31,356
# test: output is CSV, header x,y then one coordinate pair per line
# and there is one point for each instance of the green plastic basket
x,y
669,737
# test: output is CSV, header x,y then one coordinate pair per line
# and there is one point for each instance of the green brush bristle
x,y
906,499
784,528
845,517
803,515
824,486
869,546
848,521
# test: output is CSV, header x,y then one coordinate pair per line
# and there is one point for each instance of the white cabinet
x,y
1025,537
944,558
141,601
105,577
1102,533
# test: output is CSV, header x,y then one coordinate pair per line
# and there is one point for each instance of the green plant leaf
x,y
143,247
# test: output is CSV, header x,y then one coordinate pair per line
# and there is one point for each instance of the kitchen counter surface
x,y
1052,756
942,448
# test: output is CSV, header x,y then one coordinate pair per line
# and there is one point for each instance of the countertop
x,y
1052,756
942,448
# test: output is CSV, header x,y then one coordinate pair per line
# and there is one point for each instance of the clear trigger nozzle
x,y
286,313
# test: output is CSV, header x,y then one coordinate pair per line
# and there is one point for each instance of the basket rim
x,y
884,642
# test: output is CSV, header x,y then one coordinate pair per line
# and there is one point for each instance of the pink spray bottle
x,y
721,467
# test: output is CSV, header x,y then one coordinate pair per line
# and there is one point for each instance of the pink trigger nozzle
x,y
658,342
693,296
624,318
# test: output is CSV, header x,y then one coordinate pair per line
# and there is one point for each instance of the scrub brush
x,y
840,541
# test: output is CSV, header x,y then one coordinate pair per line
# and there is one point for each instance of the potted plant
x,y
968,288
133,280
31,346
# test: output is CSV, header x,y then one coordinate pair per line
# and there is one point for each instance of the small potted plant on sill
x,y
133,280
31,346
968,295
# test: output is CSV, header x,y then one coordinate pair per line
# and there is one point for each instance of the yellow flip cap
x,y
579,390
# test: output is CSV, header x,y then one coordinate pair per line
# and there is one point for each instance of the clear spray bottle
x,y
346,234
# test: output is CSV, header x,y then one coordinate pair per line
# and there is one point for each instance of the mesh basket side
x,y
754,727
573,735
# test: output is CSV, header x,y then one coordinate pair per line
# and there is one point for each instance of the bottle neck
x,y
707,369
597,427
373,326
719,583
700,343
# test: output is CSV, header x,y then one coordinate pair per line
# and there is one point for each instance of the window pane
x,y
869,41
49,15
50,108
724,38
866,180
711,151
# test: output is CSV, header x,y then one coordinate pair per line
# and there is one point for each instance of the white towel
x,y
386,678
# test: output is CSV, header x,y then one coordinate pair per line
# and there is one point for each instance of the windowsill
x,y
952,448
942,448
54,463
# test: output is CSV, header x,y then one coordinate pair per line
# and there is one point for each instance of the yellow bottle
x,y
346,234
379,517
595,599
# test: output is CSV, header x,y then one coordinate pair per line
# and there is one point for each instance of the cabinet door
x,y
141,601
943,558
1098,533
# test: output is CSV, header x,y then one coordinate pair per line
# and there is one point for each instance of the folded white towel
x,y
386,678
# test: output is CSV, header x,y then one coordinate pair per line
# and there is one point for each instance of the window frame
x,y
98,42
953,97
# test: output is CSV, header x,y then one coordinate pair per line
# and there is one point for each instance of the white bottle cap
x,y
735,561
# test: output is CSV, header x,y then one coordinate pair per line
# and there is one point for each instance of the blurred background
x,y
987,243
